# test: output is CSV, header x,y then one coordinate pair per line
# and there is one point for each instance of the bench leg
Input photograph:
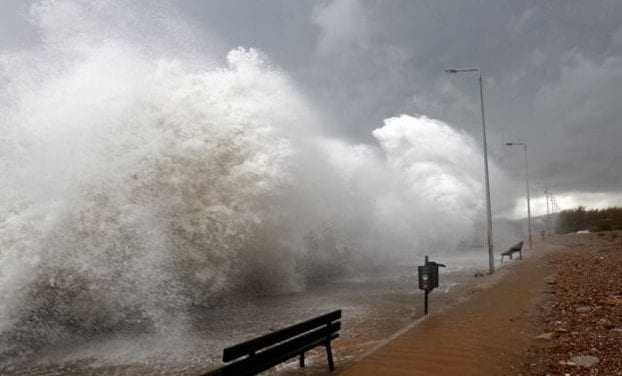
x,y
329,356
511,257
520,255
502,259
302,360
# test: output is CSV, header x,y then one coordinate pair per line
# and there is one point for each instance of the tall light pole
x,y
547,196
524,145
491,256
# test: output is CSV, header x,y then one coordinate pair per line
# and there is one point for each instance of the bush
x,y
594,220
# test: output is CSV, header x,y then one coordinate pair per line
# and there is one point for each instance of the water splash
x,y
139,185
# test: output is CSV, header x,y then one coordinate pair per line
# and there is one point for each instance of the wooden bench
x,y
262,353
518,247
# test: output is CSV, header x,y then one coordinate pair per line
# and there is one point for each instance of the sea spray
x,y
139,184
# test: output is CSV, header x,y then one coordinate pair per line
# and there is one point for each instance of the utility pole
x,y
491,256
554,209
548,211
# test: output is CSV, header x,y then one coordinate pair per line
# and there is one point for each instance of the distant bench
x,y
265,352
516,248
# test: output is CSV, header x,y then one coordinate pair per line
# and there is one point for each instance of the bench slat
x,y
278,354
256,344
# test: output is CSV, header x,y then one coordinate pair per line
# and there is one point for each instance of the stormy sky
x,y
553,71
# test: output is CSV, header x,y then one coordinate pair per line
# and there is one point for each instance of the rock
x,y
583,309
587,361
567,363
605,322
614,300
545,336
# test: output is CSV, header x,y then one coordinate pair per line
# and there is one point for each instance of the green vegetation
x,y
593,220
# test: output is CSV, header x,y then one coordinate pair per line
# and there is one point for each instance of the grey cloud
x,y
583,115
343,24
552,69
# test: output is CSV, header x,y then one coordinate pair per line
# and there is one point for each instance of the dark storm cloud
x,y
553,70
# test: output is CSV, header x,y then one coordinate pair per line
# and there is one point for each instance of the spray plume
x,y
141,179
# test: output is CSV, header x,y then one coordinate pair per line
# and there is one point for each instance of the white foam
x,y
141,183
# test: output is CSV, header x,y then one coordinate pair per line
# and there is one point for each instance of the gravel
x,y
584,309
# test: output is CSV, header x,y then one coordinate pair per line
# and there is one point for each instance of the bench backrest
x,y
517,247
254,345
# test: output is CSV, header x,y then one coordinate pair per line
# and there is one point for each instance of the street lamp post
x,y
547,196
491,256
524,145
